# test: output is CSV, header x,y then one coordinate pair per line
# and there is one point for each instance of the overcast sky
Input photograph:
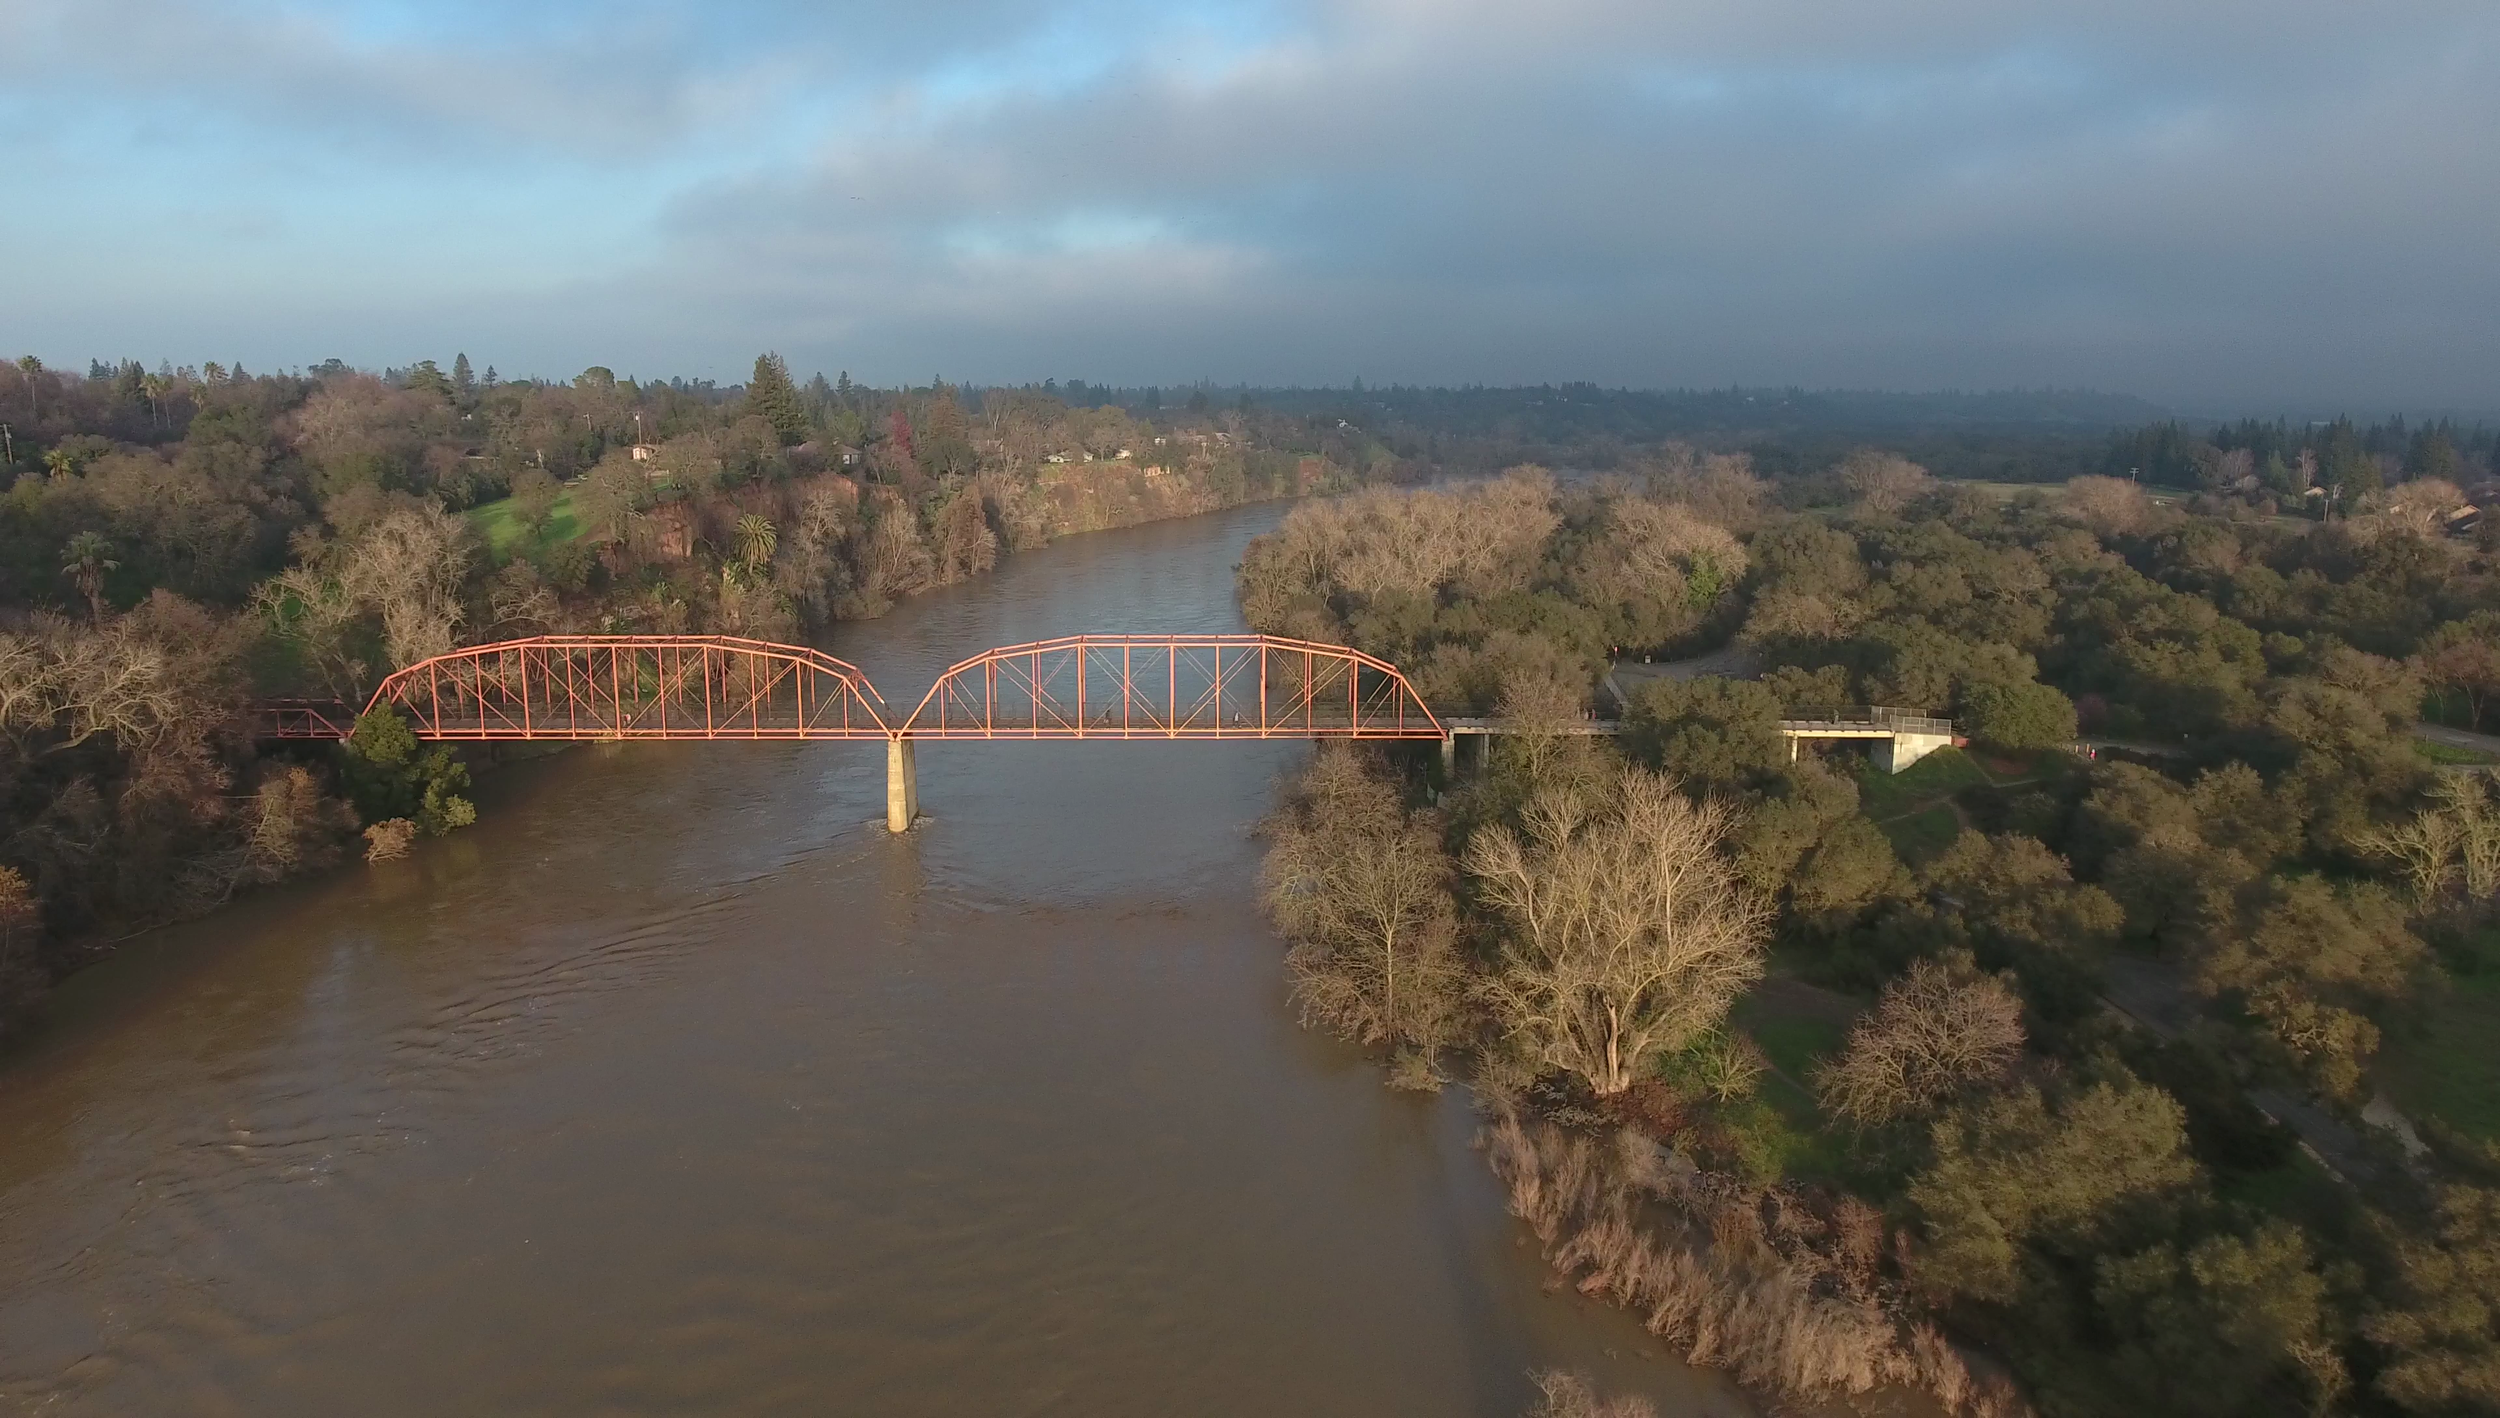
x,y
2219,204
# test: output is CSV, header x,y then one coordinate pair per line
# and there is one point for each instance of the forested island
x,y
2165,1075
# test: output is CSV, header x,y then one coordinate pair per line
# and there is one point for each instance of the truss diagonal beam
x,y
1171,687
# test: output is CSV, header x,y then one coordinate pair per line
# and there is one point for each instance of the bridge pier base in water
x,y
902,785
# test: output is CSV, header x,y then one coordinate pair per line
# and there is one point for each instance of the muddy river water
x,y
676,1085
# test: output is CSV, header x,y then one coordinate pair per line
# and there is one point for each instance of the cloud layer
x,y
2220,204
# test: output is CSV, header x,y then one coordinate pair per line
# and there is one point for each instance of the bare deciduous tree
x,y
29,687
2463,657
1486,537
113,684
409,567
2422,506
1883,483
320,614
1540,711
1363,890
2109,506
1720,488
1938,1029
2452,845
1630,931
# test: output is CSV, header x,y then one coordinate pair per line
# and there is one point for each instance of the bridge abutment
x,y
902,784
1894,754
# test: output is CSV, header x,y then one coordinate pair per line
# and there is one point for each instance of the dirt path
x,y
2156,997
2458,738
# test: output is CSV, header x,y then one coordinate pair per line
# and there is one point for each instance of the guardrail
x,y
1875,718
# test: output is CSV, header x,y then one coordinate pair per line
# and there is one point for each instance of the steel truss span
x,y
1172,687
622,687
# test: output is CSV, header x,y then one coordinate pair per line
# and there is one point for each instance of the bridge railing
x,y
1874,718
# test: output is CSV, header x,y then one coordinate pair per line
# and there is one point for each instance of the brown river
x,y
677,1086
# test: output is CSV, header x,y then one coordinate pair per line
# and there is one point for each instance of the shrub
x,y
389,841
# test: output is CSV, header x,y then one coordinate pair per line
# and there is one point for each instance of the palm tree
x,y
85,561
756,540
59,463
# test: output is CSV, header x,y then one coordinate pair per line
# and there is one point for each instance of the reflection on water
x,y
676,1085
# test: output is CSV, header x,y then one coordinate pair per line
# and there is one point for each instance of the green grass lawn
x,y
1921,837
1781,1131
2007,492
1930,780
504,537
2445,753
1795,1044
1914,808
2449,1068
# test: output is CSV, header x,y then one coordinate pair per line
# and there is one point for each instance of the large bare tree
x,y
1630,932
1362,888
1937,1030
1883,483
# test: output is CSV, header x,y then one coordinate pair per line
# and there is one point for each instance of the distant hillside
x,y
1566,412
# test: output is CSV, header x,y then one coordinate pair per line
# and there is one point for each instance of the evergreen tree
x,y
463,378
2344,465
771,395
429,378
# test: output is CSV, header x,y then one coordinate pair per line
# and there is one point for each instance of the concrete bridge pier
x,y
902,784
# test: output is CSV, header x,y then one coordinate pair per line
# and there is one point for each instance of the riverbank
x,y
308,821
676,1080
2097,1204
1567,934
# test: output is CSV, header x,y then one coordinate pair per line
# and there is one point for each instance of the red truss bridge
x,y
613,687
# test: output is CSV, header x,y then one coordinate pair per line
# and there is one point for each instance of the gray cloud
x,y
2225,204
